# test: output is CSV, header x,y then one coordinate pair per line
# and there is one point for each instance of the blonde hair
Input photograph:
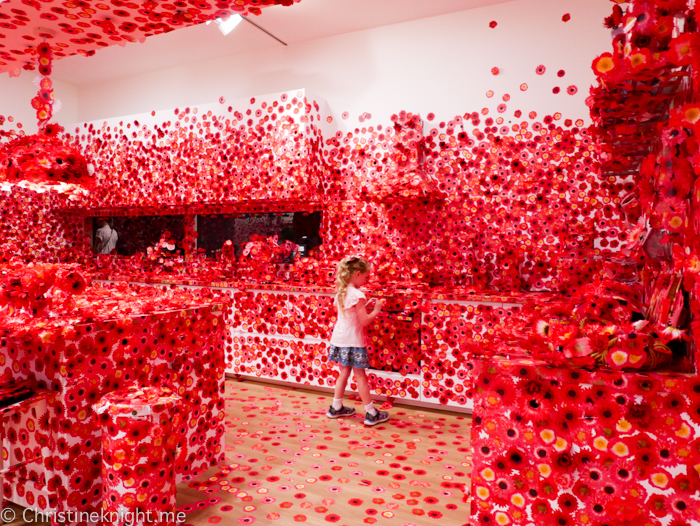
x,y
346,268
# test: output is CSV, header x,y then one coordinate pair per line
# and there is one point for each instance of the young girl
x,y
348,341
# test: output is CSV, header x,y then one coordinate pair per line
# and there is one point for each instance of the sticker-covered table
x,y
570,446
182,348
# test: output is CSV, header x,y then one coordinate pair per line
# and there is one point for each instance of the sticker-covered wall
x,y
441,65
440,204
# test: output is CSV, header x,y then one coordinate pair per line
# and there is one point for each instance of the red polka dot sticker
x,y
301,467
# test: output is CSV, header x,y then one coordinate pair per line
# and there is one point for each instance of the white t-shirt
x,y
347,331
108,237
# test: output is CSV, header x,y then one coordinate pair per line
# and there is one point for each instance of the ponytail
x,y
346,268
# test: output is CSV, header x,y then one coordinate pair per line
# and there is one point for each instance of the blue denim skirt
x,y
356,357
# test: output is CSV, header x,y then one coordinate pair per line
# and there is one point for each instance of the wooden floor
x,y
287,463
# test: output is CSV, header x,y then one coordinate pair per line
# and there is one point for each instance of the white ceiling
x,y
307,20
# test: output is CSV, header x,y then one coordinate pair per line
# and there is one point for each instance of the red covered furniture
x,y
82,361
141,441
25,441
568,446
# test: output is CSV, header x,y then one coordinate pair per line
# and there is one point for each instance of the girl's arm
x,y
362,315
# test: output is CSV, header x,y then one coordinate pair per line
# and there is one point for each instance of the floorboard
x,y
287,463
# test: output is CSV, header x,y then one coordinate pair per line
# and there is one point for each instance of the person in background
x,y
289,247
347,345
105,237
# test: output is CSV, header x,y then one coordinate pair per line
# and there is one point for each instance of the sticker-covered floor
x,y
287,463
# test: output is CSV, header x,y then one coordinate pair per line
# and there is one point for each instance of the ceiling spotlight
x,y
226,26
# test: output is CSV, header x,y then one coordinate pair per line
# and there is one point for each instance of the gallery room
x,y
350,262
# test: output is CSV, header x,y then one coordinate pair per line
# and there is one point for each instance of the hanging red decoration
x,y
43,103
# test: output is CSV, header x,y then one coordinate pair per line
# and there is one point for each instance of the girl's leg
x,y
363,386
373,416
342,381
337,409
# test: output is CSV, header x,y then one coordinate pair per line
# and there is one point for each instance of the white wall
x,y
441,65
16,94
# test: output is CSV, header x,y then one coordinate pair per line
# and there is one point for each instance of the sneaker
x,y
343,411
377,418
